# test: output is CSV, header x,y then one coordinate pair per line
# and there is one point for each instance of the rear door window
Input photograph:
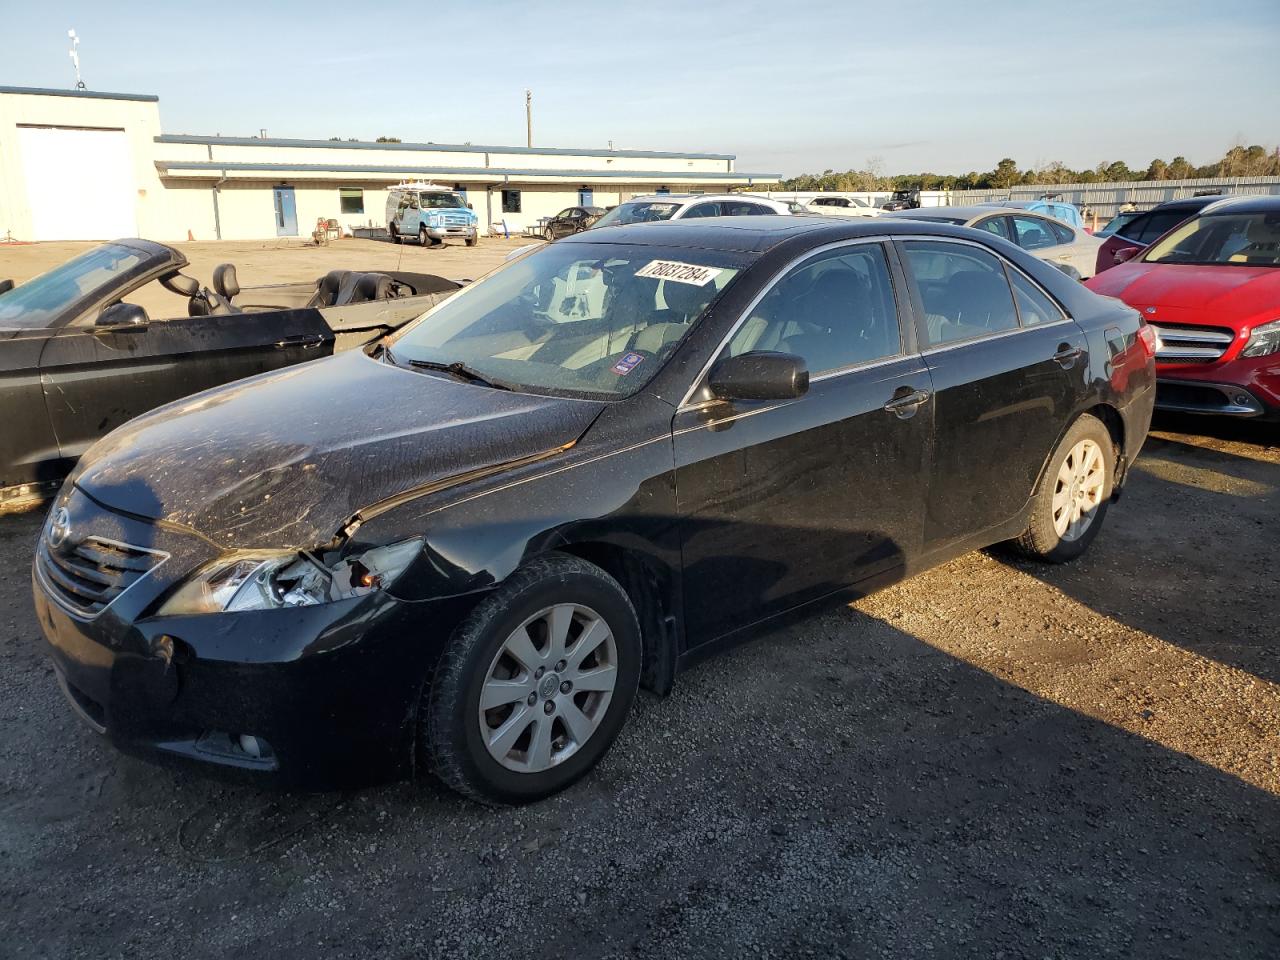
x,y
1034,307
963,290
711,209
997,225
1033,233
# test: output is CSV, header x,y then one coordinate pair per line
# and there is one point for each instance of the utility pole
x,y
528,116
75,57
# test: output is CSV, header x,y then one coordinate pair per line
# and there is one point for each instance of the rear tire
x,y
1071,500
394,234
554,710
547,235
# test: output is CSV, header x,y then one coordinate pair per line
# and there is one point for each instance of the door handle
x,y
1067,355
905,406
306,340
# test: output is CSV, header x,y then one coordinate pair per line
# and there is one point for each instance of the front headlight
x,y
267,581
1264,341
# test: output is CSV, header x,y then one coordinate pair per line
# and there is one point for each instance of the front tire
x,y
534,685
1071,500
423,239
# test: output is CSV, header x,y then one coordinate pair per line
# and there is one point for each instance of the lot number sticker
x,y
679,272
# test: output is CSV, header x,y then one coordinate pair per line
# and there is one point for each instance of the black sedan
x,y
464,549
571,220
77,359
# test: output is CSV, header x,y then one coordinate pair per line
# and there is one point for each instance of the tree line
x,y
1239,161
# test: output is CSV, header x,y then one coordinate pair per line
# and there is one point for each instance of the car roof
x,y
756,234
691,197
1191,203
1235,205
950,213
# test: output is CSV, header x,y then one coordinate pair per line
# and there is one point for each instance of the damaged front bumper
x,y
313,697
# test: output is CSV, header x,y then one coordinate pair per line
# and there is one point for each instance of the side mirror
x,y
470,207
123,315
1125,254
6,286
759,375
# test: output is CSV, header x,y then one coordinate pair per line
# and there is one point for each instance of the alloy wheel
x,y
1078,490
548,688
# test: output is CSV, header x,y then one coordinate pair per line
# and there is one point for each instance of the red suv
x,y
1211,290
1145,228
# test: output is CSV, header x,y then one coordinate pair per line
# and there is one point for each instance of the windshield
x,y
1244,240
440,201
40,301
639,211
590,320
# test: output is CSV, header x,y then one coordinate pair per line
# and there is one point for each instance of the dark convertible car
x,y
463,548
77,359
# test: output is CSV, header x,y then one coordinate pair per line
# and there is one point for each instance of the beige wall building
x,y
82,165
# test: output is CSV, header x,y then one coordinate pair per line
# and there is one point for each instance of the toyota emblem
x,y
1150,310
59,527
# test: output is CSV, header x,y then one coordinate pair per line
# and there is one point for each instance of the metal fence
x,y
1105,199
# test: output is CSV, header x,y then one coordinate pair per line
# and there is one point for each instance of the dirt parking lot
x,y
997,759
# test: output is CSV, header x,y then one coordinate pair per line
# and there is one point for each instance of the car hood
x,y
285,459
1218,295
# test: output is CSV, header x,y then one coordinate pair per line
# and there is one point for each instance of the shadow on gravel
x,y
837,789
1188,554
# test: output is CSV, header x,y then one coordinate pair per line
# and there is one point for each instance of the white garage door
x,y
79,183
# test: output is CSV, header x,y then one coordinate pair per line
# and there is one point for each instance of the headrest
x,y
224,280
329,286
183,286
373,286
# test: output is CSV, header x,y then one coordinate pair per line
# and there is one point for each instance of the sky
x,y
789,86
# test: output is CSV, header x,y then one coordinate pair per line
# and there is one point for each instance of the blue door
x,y
286,213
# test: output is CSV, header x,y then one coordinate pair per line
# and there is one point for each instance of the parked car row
x,y
463,547
78,358
604,460
1069,248
1210,288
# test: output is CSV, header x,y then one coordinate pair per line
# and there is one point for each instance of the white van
x,y
431,213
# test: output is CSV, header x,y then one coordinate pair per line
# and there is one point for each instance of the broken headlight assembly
x,y
268,581
1263,341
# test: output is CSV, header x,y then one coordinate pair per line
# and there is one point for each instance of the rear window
x,y
639,211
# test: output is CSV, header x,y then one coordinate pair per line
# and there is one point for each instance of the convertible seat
x,y
327,288
373,286
224,281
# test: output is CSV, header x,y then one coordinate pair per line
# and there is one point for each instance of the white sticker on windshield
x,y
679,272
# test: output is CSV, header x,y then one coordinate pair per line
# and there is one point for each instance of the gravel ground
x,y
996,759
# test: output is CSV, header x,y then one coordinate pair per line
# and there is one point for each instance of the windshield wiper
x,y
459,370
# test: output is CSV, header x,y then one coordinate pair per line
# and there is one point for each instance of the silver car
x,y
1069,248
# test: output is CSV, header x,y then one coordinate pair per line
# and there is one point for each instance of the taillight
x,y
1149,338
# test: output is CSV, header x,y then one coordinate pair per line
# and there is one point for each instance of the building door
x,y
79,182
286,213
